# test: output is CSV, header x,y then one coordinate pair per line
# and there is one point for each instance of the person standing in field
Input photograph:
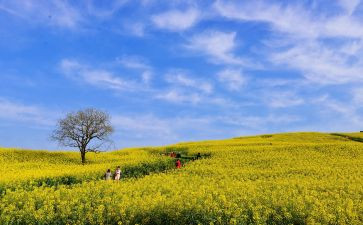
x,y
118,173
108,175
178,164
199,156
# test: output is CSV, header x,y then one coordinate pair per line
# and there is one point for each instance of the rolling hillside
x,y
290,178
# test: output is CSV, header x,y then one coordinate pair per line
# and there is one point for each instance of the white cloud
x,y
352,48
180,97
146,129
176,20
349,5
259,122
105,78
146,76
281,82
9,10
357,94
219,45
142,125
282,99
11,110
320,64
285,19
149,127
101,78
104,11
234,79
194,98
53,12
187,97
282,19
307,50
135,28
343,115
133,62
64,14
137,63
181,79
342,26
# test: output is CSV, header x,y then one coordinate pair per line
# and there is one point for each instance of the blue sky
x,y
171,71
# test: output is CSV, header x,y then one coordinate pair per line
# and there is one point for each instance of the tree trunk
x,y
83,156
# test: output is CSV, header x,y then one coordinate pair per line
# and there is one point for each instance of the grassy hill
x,y
291,178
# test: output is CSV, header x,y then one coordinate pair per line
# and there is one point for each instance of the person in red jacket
x,y
178,164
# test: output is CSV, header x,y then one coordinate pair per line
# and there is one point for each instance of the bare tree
x,y
88,130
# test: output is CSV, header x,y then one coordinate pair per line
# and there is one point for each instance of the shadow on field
x,y
352,138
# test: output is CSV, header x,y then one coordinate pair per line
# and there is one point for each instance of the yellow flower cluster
x,y
26,167
296,178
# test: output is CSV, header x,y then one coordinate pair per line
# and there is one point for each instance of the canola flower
x,y
298,178
26,169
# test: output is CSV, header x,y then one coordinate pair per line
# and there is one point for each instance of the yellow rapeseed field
x,y
292,178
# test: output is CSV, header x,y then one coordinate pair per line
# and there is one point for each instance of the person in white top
x,y
108,175
118,173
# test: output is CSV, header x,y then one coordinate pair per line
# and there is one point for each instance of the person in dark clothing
x,y
199,156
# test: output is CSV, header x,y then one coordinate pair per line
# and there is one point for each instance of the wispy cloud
x,y
232,78
142,125
259,122
176,20
146,129
193,98
104,11
357,96
281,82
340,115
282,99
307,50
134,62
63,14
57,13
218,45
283,18
176,96
349,5
320,64
137,29
137,63
181,79
146,76
97,77
11,110
187,89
